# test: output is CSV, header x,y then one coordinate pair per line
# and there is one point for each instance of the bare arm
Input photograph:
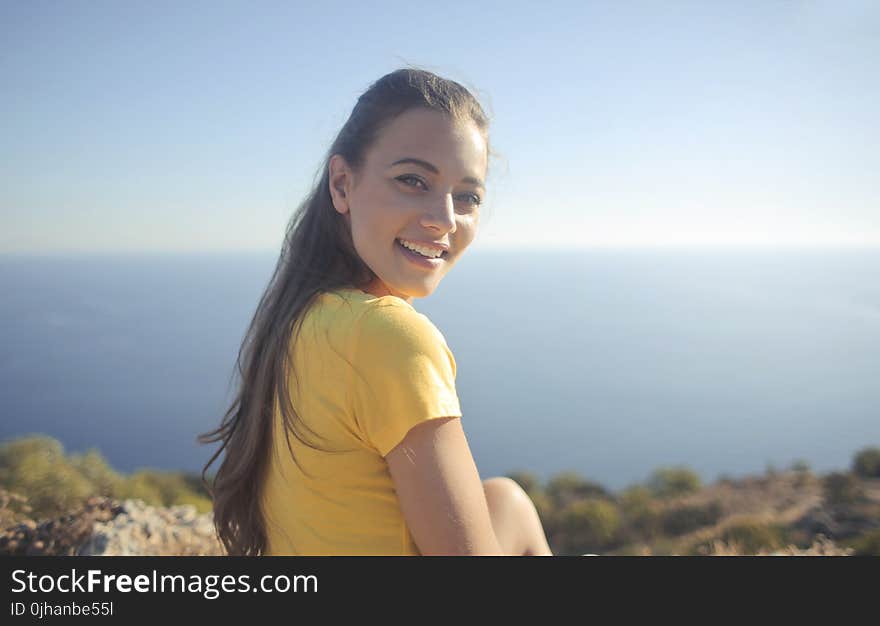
x,y
440,491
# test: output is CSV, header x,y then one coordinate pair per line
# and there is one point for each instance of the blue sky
x,y
200,126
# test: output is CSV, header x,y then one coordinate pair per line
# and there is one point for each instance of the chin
x,y
419,291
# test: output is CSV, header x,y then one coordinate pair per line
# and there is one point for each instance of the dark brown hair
x,y
317,255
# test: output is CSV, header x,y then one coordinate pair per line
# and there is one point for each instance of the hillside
x,y
54,504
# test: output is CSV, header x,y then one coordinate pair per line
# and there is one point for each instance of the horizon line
x,y
477,248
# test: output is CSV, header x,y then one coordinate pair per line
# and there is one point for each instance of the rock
x,y
154,531
105,527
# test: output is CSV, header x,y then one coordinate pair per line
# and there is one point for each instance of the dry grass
x,y
774,503
781,499
822,546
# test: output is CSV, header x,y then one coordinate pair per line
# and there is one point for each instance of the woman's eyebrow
x,y
433,169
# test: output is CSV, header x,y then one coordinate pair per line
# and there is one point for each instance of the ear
x,y
340,183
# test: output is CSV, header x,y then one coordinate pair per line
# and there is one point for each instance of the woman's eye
x,y
414,181
473,198
407,177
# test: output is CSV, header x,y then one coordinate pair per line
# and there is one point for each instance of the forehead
x,y
456,147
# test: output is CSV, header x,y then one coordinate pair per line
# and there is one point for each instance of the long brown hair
x,y
317,255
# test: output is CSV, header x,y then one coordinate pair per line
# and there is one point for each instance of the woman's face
x,y
421,182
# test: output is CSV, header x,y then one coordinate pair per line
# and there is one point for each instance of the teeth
x,y
428,252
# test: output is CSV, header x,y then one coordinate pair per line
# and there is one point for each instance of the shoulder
x,y
380,328
391,323
355,307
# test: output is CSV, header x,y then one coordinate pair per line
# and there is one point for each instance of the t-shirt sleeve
x,y
403,374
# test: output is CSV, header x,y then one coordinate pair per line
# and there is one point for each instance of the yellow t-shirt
x,y
369,369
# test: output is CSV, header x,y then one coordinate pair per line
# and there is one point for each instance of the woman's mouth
x,y
420,258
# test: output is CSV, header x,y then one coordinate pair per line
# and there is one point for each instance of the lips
x,y
443,248
420,260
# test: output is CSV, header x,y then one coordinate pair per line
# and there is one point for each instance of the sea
x,y
607,362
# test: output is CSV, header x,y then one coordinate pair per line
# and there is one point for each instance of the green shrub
x,y
867,463
94,468
15,452
842,488
667,482
641,517
634,499
588,525
160,488
140,486
567,487
35,467
801,466
685,519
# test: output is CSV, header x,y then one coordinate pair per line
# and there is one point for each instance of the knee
x,y
503,489
514,517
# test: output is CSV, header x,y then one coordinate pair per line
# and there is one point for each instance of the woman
x,y
378,462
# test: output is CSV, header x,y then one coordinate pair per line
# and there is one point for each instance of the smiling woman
x,y
413,213
338,356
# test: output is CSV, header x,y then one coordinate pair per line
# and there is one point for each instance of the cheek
x,y
362,236
466,231
379,215
366,223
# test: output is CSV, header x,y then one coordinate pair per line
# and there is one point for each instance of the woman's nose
x,y
441,215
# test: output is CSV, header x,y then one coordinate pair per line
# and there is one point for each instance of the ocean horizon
x,y
607,362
